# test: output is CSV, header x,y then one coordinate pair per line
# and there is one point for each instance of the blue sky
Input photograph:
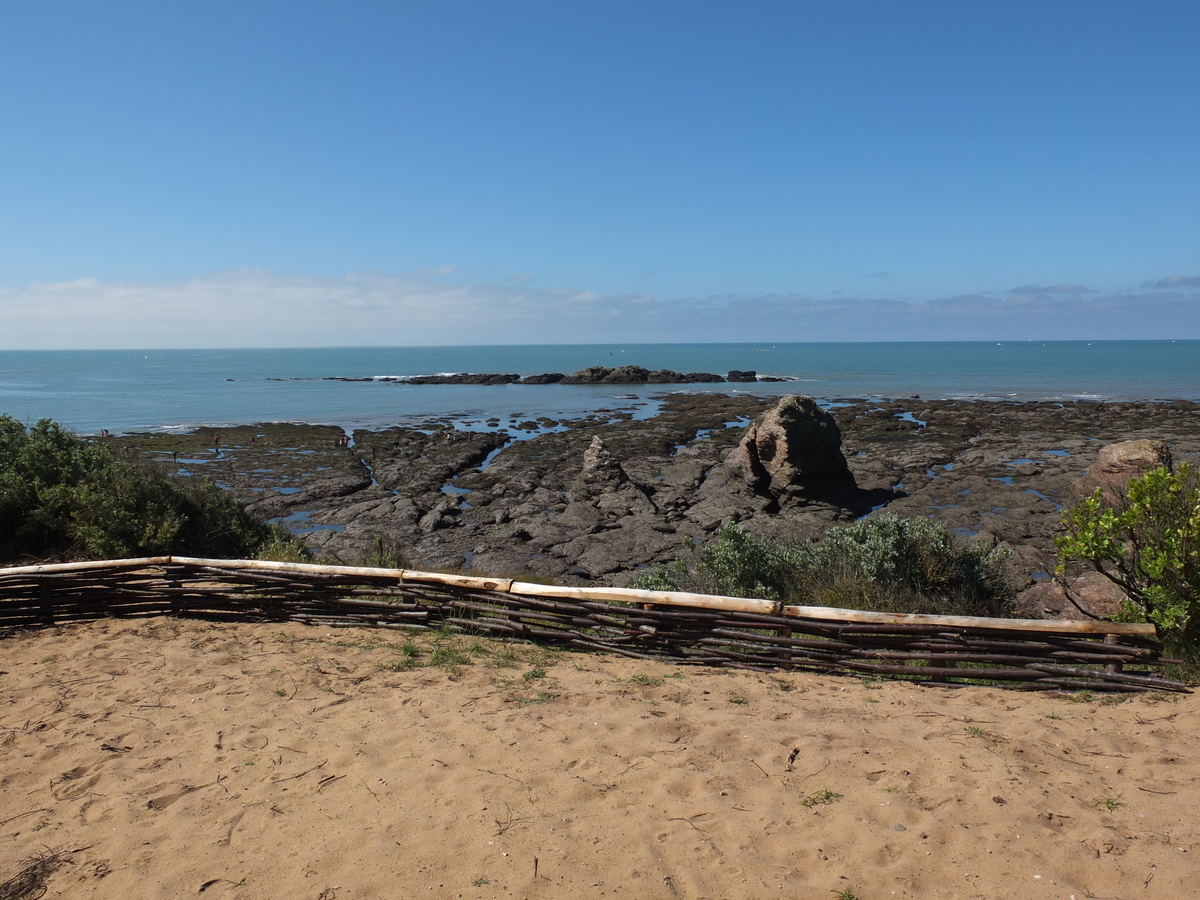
x,y
363,173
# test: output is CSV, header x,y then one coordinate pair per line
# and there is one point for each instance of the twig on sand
x,y
328,780
819,771
505,775
302,774
21,816
688,819
756,765
509,821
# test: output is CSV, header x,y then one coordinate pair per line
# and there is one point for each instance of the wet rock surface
x,y
593,500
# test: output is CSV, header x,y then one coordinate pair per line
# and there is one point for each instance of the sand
x,y
174,758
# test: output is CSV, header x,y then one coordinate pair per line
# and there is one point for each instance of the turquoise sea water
x,y
155,389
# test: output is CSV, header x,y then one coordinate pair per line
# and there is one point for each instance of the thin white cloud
x,y
1177,281
434,272
1052,289
259,309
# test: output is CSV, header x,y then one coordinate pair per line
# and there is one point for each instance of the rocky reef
x,y
590,375
595,499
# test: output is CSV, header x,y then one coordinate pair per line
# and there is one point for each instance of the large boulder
x,y
1116,464
602,491
795,445
601,473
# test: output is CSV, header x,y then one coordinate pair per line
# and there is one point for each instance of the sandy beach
x,y
169,758
599,451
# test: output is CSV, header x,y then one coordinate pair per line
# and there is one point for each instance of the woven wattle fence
x,y
677,627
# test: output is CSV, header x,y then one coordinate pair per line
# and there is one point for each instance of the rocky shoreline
x,y
593,500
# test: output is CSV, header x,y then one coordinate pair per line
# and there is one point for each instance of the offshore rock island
x,y
590,375
599,498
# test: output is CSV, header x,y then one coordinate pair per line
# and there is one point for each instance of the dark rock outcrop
x,y
590,375
461,378
602,491
637,375
795,446
601,473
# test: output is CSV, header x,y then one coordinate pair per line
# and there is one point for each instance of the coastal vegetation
x,y
1148,545
883,564
64,498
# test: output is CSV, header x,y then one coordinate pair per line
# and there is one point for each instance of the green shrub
x,y
733,563
885,564
282,546
907,565
737,564
1149,546
64,498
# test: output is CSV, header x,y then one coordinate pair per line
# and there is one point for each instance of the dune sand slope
x,y
172,758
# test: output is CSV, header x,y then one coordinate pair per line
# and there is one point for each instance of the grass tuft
x,y
820,798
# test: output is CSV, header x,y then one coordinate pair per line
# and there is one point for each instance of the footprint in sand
x,y
167,799
69,785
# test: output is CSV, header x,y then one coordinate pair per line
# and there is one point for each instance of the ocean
x,y
150,390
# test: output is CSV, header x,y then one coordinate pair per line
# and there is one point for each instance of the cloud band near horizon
x,y
259,309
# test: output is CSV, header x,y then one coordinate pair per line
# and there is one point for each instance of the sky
x,y
301,173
